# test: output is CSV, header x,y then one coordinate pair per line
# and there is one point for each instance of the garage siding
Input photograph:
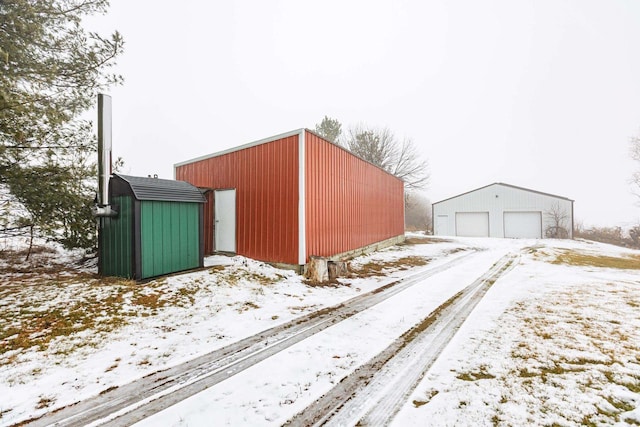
x,y
496,199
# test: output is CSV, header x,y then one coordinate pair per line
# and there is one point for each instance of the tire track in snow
x,y
137,400
375,392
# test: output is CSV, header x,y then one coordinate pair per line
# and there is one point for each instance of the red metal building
x,y
294,195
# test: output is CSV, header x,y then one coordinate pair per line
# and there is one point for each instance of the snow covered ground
x,y
551,341
551,344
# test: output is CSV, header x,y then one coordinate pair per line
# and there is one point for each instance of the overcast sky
x,y
543,94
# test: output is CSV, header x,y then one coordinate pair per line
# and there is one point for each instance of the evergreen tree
x,y
51,69
330,129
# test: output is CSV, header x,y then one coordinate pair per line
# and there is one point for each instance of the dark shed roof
x,y
162,189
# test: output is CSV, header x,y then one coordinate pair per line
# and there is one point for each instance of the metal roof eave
x,y
162,189
504,185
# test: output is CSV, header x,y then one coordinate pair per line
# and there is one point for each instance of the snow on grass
x,y
67,334
555,342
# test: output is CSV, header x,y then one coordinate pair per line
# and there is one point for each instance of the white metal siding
x,y
472,224
498,199
442,226
523,225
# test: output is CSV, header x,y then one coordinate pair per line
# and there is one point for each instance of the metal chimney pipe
x,y
102,207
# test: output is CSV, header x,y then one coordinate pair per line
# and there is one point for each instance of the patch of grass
x,y
588,422
582,361
620,405
557,369
234,277
412,333
246,306
631,262
633,387
480,374
151,301
606,413
381,268
632,384
526,373
45,402
544,335
370,269
85,302
632,421
424,240
114,366
421,402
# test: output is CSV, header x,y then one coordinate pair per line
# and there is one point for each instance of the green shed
x,y
158,228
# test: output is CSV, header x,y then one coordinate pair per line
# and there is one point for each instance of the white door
x,y
523,225
225,220
472,224
442,225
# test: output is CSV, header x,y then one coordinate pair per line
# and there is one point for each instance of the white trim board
x,y
241,147
302,197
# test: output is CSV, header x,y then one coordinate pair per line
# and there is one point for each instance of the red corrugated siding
x,y
266,181
349,202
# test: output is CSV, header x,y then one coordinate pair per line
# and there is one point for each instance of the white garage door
x,y
523,225
472,224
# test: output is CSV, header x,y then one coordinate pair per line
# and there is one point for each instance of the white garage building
x,y
503,210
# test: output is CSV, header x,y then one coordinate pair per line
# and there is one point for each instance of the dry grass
x,y
47,302
572,341
478,374
382,268
234,277
246,306
430,394
424,240
45,402
582,259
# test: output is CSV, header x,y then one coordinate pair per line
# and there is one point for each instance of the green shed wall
x,y
170,238
116,240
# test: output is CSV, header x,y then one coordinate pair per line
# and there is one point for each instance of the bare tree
x,y
417,213
634,235
558,219
635,155
612,235
382,148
